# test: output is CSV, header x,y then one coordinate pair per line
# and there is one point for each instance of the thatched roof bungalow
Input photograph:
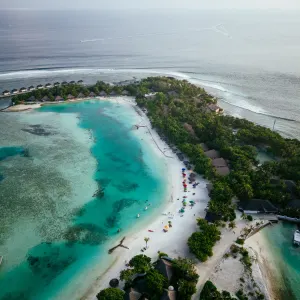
x,y
189,128
102,94
56,84
59,98
215,108
113,93
31,99
80,81
92,94
14,91
204,147
31,88
72,82
70,97
125,93
80,95
212,154
165,267
64,83
45,98
219,162
40,86
48,85
222,171
5,93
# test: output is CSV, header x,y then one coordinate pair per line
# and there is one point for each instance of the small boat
x,y
138,215
1,259
150,230
146,207
297,238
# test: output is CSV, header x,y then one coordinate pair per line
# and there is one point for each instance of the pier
x,y
110,251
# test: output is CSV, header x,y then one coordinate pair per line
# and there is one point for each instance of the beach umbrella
x,y
114,283
183,169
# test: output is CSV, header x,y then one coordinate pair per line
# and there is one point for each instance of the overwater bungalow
x,y
48,85
6,93
72,82
64,83
14,91
31,88
59,98
70,97
80,81
45,98
102,94
92,94
56,84
40,86
23,90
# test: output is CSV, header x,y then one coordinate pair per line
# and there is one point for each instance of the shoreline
x,y
267,264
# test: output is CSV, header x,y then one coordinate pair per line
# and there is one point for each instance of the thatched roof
x,y
64,83
70,97
72,82
39,86
131,294
92,94
168,295
223,171
58,98
214,107
219,162
212,154
189,128
113,93
80,81
30,99
80,95
14,91
204,147
48,85
56,83
45,98
23,89
165,268
125,93
102,94
31,87
264,206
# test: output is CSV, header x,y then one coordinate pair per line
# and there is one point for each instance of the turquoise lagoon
x,y
287,258
86,174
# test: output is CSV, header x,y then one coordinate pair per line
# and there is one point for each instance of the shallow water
x,y
280,242
65,200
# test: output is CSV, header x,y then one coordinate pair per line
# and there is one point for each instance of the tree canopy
x,y
111,294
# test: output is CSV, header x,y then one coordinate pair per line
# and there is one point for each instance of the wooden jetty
x,y
110,251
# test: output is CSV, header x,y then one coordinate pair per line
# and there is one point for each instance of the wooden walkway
x,y
110,251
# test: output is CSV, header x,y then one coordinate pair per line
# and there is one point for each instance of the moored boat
x,y
297,238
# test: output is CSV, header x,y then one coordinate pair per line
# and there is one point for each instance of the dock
x,y
119,245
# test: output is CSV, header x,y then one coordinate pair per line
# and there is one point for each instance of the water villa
x,y
72,82
31,88
297,238
48,85
14,91
23,90
80,81
40,86
56,84
6,93
64,83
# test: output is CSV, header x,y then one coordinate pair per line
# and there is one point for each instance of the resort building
x,y
102,94
56,84
48,85
125,93
31,88
70,97
23,90
64,83
212,154
14,91
59,98
72,82
215,108
31,99
6,93
257,206
45,98
92,94
40,86
80,96
113,93
165,267
80,81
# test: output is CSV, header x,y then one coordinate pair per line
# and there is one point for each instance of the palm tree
x,y
146,239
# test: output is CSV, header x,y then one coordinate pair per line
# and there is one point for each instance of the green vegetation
x,y
111,294
201,243
210,292
184,278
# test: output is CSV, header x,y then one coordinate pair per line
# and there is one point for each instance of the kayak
x,y
150,230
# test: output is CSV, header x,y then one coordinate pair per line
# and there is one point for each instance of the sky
x,y
150,4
